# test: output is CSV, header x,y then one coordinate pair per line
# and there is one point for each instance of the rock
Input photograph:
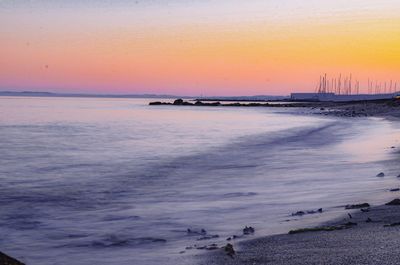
x,y
381,175
317,229
208,237
7,260
364,210
229,250
350,216
159,103
178,101
393,224
357,206
248,230
398,176
315,211
193,232
394,202
396,189
212,247
299,213
156,103
368,220
350,224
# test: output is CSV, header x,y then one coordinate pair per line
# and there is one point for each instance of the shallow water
x,y
112,181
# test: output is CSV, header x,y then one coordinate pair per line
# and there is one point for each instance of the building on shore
x,y
341,98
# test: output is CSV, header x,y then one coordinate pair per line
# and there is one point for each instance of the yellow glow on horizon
x,y
260,55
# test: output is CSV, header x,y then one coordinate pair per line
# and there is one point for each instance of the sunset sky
x,y
195,47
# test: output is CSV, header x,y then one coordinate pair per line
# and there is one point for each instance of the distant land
x,y
82,95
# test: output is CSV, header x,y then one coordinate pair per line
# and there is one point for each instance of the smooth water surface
x,y
115,181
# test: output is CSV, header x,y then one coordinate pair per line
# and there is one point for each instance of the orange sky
x,y
196,47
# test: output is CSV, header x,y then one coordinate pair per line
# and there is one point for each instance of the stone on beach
x,y
392,224
381,175
212,247
248,230
298,213
229,250
194,232
301,213
316,229
357,206
208,237
350,224
394,202
7,260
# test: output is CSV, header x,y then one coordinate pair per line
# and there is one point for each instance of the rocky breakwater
x,y
181,102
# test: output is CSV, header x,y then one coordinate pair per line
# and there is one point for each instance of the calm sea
x,y
115,181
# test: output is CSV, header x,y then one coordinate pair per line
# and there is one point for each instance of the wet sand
x,y
366,241
383,108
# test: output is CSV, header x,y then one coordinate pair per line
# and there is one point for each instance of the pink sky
x,y
195,47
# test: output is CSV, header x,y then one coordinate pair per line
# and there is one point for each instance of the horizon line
x,y
137,95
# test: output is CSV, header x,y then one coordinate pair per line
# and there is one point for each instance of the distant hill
x,y
82,95
51,94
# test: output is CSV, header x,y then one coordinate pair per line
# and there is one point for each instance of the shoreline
x,y
369,108
216,255
364,235
367,237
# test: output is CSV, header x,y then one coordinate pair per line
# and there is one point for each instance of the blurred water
x,y
106,181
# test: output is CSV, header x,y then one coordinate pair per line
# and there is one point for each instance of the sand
x,y
365,243
382,108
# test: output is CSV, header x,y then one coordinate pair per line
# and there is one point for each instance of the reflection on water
x,y
116,181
